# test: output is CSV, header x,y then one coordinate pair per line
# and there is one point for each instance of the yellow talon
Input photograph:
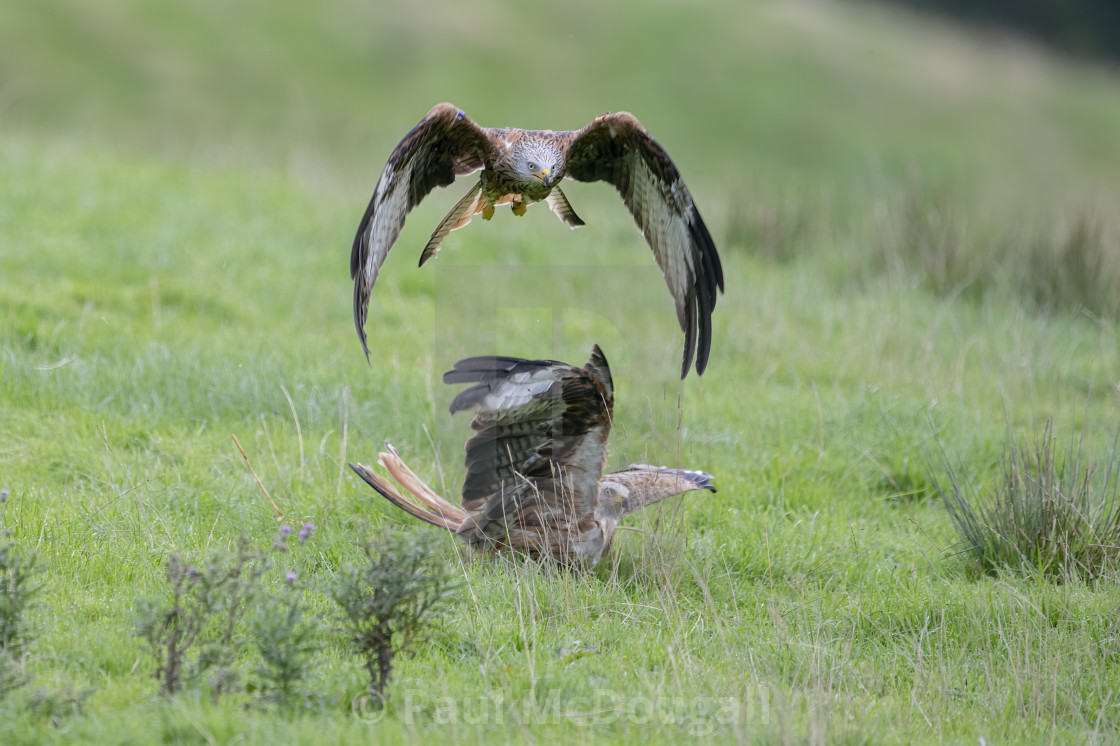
x,y
519,208
488,211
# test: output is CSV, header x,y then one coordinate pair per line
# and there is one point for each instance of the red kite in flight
x,y
520,167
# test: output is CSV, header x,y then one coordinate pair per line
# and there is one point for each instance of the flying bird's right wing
x,y
541,433
443,145
616,148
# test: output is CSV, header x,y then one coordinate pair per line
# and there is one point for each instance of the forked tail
x,y
465,209
425,505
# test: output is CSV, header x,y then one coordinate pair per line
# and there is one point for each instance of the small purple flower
x,y
291,576
285,530
4,495
305,532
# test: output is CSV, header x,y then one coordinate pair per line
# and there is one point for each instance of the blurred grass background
x,y
786,91
918,228
791,118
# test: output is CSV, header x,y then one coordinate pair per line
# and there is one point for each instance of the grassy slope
x,y
181,185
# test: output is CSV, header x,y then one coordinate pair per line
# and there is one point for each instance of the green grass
x,y
895,204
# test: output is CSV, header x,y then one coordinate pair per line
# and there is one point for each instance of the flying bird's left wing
x,y
443,145
617,149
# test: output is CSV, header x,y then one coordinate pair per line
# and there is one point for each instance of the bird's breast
x,y
496,185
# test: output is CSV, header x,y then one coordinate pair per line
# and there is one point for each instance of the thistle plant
x,y
222,608
391,601
17,587
285,638
197,632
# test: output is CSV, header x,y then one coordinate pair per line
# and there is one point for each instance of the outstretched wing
x,y
645,484
617,149
443,145
541,437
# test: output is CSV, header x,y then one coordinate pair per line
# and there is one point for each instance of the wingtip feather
x,y
689,336
358,321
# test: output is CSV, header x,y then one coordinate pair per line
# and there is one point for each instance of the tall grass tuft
x,y
1076,265
923,234
1058,517
926,235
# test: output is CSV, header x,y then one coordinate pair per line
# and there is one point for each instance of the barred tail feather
x,y
391,460
465,209
558,203
390,493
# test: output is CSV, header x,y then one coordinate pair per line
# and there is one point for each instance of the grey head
x,y
538,162
614,500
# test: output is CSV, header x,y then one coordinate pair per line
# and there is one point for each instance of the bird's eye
x,y
532,167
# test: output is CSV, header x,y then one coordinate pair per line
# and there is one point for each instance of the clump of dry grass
x,y
1075,265
1059,517
1057,262
922,232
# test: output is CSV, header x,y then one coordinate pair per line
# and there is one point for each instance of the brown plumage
x,y
535,478
520,167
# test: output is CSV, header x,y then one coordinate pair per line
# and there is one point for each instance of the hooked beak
x,y
544,177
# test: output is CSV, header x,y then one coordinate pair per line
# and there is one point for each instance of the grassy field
x,y
918,233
